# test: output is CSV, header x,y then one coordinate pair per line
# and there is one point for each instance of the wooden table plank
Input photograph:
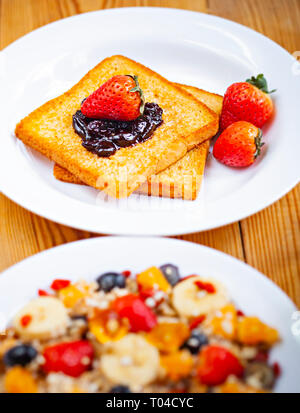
x,y
270,239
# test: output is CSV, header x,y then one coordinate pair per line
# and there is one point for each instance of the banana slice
x,y
130,361
42,318
190,301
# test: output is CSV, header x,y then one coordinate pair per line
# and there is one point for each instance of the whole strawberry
x,y
238,145
249,101
120,98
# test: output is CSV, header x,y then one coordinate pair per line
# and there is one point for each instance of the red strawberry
x,y
120,98
249,101
59,284
71,358
216,364
132,307
238,145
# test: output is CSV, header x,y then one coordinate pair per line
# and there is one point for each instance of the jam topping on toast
x,y
104,137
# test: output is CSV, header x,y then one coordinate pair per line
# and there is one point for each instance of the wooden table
x,y
269,240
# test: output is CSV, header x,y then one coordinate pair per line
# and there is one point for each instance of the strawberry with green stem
x,y
247,101
238,145
120,98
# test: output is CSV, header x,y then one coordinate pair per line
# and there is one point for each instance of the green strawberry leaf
x,y
138,89
261,83
258,143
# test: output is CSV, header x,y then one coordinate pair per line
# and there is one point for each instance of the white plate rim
x,y
95,240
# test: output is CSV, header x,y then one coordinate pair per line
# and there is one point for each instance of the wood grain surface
x,y
269,240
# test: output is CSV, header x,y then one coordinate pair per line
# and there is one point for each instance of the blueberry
x,y
110,280
195,342
120,281
171,273
19,355
120,389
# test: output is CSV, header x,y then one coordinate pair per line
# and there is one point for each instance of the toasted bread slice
x,y
183,178
187,122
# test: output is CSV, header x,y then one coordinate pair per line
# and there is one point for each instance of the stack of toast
x,y
171,163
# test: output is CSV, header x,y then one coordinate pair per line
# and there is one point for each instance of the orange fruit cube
x,y
225,322
19,380
153,278
71,295
252,331
168,337
177,365
108,326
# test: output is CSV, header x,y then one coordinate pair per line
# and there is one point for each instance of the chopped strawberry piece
x,y
276,369
132,307
208,287
43,293
26,320
126,273
216,364
197,321
60,284
147,293
240,313
70,358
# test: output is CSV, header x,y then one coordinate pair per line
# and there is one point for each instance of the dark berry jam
x,y
104,137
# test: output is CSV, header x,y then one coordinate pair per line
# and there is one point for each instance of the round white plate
x,y
185,47
252,292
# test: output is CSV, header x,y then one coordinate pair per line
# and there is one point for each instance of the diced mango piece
x,y
71,295
252,331
108,326
225,322
177,365
168,337
153,278
19,380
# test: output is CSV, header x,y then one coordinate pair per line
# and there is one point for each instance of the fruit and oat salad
x,y
151,332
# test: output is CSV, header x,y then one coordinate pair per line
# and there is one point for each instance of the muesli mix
x,y
150,332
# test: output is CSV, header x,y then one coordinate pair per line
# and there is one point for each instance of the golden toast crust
x,y
187,122
182,179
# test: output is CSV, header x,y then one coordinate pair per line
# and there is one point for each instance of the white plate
x,y
185,47
252,292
